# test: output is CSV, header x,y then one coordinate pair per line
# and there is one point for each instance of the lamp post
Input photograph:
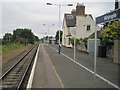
x,y
59,5
48,27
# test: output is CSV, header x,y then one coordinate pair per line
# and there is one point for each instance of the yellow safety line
x,y
57,75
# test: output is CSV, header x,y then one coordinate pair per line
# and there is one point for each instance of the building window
x,y
88,27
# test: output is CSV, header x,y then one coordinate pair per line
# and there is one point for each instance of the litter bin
x,y
101,51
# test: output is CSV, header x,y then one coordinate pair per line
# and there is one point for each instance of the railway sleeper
x,y
9,83
6,86
11,79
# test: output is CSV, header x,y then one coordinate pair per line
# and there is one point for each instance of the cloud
x,y
33,15
98,8
0,20
58,0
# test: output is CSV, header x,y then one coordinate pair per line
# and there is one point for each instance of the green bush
x,y
111,32
10,47
77,41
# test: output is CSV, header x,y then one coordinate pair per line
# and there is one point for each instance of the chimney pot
x,y
116,4
80,9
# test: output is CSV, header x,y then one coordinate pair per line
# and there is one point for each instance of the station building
x,y
85,25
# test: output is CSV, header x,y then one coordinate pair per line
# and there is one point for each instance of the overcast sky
x,y
33,14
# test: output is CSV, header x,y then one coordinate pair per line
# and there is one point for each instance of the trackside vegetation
x,y
23,36
20,38
10,47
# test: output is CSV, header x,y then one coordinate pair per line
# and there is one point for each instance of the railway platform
x,y
45,75
54,70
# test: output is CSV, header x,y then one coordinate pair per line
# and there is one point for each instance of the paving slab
x,y
45,76
72,75
54,70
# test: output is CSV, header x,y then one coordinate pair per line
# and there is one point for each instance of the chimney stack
x,y
116,4
80,10
73,12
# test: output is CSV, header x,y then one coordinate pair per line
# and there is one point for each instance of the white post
x,y
59,24
59,30
95,52
74,32
74,48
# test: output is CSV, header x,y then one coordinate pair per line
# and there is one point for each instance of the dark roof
x,y
70,20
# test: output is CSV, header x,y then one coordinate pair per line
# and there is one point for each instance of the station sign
x,y
111,16
70,20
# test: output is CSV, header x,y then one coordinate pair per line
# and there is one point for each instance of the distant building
x,y
85,25
52,40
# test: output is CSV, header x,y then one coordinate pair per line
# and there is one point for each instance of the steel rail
x,y
26,71
15,64
24,74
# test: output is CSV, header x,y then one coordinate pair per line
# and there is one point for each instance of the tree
x,y
36,38
20,35
111,32
57,35
24,35
7,38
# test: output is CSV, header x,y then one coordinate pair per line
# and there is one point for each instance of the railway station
x,y
83,54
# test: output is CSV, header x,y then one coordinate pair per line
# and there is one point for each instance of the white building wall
x,y
80,29
82,23
66,31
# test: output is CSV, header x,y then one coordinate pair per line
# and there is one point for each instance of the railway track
x,y
14,76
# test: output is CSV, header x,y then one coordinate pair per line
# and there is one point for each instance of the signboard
x,y
114,15
70,20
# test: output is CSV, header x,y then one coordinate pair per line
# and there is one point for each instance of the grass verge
x,y
10,51
11,47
